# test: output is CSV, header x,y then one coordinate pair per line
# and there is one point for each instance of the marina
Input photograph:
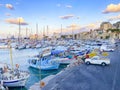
x,y
59,45
21,57
39,62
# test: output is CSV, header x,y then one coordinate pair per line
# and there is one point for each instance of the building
x,y
105,26
116,25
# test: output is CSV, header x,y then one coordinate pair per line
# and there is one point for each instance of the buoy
x,y
42,84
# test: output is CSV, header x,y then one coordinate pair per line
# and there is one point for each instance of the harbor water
x,y
21,57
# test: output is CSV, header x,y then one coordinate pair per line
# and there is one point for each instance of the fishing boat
x,y
12,77
44,61
4,47
20,46
65,60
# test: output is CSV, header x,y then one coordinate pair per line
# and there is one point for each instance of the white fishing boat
x,y
4,47
20,46
12,78
65,60
38,46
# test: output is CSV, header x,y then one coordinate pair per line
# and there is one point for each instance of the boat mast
x,y
19,31
43,32
11,58
61,31
47,30
26,32
36,31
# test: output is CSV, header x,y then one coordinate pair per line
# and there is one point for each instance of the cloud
x,y
112,18
92,26
16,21
78,17
58,5
68,6
43,18
112,8
66,16
73,26
7,14
9,6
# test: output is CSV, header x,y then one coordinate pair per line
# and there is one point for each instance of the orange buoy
x,y
42,84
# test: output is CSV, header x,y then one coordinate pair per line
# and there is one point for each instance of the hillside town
x,y
105,31
59,44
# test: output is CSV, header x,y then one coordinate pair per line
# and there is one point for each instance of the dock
x,y
37,86
46,80
89,77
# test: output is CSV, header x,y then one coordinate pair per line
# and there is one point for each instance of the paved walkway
x,y
89,77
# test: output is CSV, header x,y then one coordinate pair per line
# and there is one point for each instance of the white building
x,y
105,26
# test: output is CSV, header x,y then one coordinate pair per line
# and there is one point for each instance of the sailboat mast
x,y
19,32
11,58
26,32
43,32
36,31
61,30
47,30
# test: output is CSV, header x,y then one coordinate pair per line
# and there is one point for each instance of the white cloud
x,y
16,21
9,6
78,17
68,6
73,26
67,16
7,14
112,8
90,26
112,18
43,18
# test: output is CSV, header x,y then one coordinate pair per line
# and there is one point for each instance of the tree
x,y
115,31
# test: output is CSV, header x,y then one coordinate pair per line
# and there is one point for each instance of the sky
x,y
77,15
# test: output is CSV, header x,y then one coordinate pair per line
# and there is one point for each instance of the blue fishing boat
x,y
44,61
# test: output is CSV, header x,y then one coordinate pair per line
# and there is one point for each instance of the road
x,y
89,77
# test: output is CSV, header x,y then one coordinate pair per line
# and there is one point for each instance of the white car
x,y
97,60
106,48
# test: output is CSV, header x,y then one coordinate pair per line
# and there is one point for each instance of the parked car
x,y
106,48
97,60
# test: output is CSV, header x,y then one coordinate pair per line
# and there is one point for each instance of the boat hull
x,y
15,83
65,60
49,67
